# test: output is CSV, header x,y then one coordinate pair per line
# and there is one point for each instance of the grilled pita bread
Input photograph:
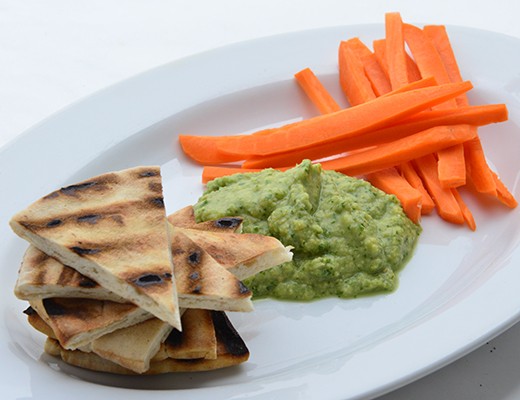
x,y
185,218
41,276
231,350
77,322
244,254
113,229
202,282
197,339
133,347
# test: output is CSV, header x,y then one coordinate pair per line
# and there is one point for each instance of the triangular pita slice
x,y
185,218
197,339
202,282
231,350
41,276
113,229
77,322
133,347
242,254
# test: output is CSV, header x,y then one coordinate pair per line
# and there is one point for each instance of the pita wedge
x,y
197,339
133,347
41,276
242,254
77,322
113,229
185,218
231,350
202,282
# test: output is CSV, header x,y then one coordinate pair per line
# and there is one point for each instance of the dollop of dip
x,y
348,237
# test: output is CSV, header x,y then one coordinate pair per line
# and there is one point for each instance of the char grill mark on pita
x,y
185,218
112,229
197,339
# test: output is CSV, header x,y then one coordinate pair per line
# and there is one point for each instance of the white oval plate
x,y
459,290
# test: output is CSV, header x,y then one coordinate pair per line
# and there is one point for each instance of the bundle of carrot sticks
x,y
409,130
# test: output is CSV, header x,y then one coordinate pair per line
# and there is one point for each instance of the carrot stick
x,y
395,52
376,75
476,165
410,174
379,46
503,194
399,151
348,122
315,90
418,84
473,115
452,167
352,78
389,181
447,206
203,149
210,172
466,213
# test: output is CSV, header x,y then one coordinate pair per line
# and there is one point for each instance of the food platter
x,y
457,292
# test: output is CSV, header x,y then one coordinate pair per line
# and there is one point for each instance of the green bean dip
x,y
348,237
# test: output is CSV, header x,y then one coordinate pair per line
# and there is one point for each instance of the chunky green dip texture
x,y
349,238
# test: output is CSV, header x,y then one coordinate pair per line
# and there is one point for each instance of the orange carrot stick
x,y
473,115
389,181
446,205
503,194
410,174
476,165
203,149
210,172
466,213
377,113
315,90
352,78
379,46
395,52
399,151
418,84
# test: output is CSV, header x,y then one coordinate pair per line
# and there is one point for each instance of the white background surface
x,y
55,52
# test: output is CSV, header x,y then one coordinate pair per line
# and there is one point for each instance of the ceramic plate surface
x,y
459,290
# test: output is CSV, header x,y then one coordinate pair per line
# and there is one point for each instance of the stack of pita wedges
x,y
117,286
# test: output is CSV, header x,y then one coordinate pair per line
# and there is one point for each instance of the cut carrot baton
x,y
476,166
466,212
452,166
315,90
377,113
389,181
503,194
204,149
418,84
410,174
399,151
395,53
210,172
352,78
446,204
